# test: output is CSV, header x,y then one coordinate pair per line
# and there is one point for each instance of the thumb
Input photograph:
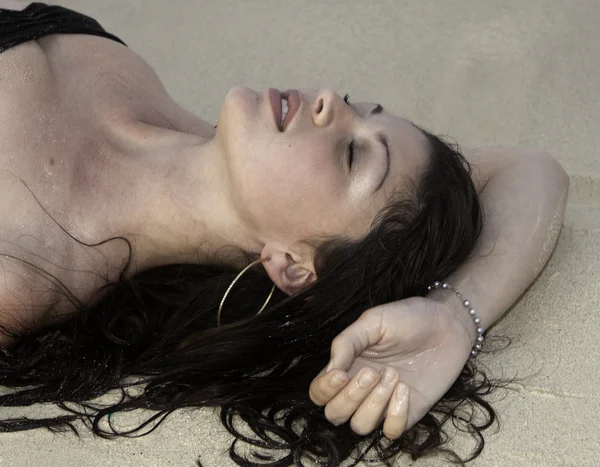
x,y
355,339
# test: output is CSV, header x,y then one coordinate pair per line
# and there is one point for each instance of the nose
x,y
327,106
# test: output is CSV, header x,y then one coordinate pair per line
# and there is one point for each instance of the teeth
x,y
284,111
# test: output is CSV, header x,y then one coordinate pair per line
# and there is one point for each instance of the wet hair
x,y
153,337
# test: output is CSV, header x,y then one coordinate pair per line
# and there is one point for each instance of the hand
x,y
422,343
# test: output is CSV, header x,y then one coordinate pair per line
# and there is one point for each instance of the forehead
x,y
399,129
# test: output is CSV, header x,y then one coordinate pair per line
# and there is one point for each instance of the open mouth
x,y
284,105
291,101
284,111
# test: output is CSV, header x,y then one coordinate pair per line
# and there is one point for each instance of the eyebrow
x,y
377,110
384,142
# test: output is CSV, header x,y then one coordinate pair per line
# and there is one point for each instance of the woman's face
x,y
303,182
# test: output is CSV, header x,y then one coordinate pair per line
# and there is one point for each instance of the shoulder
x,y
70,54
102,78
124,86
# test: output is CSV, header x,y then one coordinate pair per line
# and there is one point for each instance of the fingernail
x,y
400,392
387,376
366,379
338,379
329,367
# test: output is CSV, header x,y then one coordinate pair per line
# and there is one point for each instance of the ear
x,y
286,270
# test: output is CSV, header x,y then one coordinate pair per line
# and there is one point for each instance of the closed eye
x,y
351,154
352,145
381,138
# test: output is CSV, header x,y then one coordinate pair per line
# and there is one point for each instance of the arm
x,y
524,193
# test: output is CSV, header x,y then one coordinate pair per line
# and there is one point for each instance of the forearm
x,y
524,206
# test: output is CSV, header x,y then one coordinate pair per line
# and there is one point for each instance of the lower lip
x,y
275,100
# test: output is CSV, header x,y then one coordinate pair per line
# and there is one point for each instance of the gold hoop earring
x,y
233,283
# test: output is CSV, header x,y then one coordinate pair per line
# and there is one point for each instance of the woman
x,y
347,207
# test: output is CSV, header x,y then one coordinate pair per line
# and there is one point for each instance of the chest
x,y
59,97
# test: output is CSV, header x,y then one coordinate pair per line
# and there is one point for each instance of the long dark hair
x,y
154,336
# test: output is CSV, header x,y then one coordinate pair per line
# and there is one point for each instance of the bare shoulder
x,y
93,72
69,53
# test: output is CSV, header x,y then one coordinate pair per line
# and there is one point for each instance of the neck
x,y
169,198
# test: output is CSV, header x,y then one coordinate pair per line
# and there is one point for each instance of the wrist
x,y
456,306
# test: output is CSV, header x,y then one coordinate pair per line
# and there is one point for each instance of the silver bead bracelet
x,y
467,304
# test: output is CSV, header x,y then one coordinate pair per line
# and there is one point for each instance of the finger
x,y
352,341
344,404
397,414
325,387
371,412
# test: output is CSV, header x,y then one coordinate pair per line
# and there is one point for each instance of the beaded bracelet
x,y
467,304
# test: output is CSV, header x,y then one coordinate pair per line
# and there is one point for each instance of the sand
x,y
503,73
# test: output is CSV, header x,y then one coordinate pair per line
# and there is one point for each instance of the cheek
x,y
287,183
304,187
306,171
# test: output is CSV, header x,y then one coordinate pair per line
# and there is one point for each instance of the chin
x,y
242,99
241,107
239,119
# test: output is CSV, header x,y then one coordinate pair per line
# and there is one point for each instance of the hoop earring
x,y
233,283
